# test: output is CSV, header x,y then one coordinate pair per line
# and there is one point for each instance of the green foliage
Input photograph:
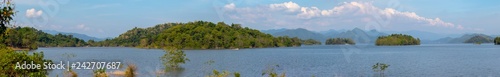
x,y
237,74
198,35
173,58
380,68
31,38
479,39
339,41
271,72
219,74
7,12
311,42
497,41
137,37
9,59
397,39
207,35
59,40
100,73
23,38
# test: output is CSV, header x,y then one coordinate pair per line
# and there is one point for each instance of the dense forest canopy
x,y
197,35
397,39
208,35
339,41
31,38
136,37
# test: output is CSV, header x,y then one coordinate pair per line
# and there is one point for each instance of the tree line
x,y
311,42
339,41
31,38
397,39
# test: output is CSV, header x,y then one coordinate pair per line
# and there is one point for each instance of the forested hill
x,y
198,35
31,38
133,37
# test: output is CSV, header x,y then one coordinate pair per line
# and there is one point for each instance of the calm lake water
x,y
431,60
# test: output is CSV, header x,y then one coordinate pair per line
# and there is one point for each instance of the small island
x,y
479,40
397,39
311,42
340,41
497,41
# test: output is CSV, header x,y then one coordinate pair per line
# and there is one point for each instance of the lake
x,y
427,60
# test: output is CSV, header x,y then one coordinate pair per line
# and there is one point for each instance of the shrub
x,y
173,58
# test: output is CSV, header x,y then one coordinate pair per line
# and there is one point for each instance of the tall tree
x,y
7,13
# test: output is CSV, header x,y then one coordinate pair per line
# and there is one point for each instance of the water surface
x,y
435,60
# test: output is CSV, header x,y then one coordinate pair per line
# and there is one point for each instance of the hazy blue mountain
x,y
479,39
442,40
329,33
77,35
461,39
376,33
272,31
359,35
301,33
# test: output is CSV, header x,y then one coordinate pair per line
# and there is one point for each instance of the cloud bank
x,y
346,15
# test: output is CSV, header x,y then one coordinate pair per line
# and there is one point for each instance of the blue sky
x,y
109,18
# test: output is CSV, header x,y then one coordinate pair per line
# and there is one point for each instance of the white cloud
x,y
229,6
82,27
32,13
347,14
289,6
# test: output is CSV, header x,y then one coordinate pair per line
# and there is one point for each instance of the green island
x,y
479,40
397,39
311,42
497,41
339,41
198,35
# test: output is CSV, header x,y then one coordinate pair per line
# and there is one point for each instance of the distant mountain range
x,y
77,35
358,35
461,39
272,31
362,36
300,33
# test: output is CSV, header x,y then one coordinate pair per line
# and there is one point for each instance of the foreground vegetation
x,y
339,41
9,58
397,39
380,68
497,41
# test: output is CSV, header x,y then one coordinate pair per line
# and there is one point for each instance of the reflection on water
x,y
424,60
